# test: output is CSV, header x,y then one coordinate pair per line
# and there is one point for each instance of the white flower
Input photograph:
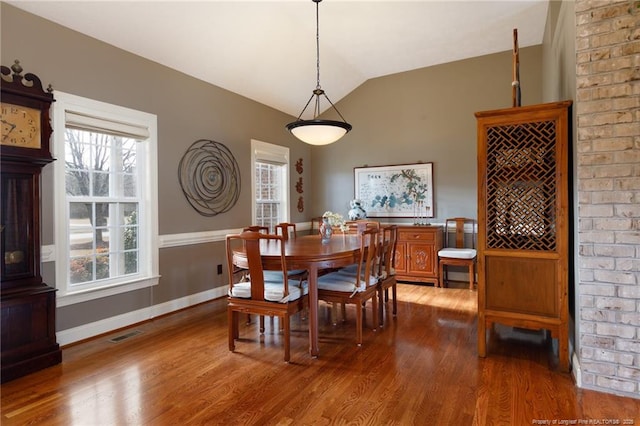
x,y
335,219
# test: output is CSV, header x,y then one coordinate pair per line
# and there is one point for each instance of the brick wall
x,y
608,170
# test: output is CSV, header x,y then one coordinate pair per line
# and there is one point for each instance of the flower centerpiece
x,y
335,220
329,221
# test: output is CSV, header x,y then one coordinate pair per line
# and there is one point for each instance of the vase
x,y
325,231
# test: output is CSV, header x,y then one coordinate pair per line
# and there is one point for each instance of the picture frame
x,y
404,190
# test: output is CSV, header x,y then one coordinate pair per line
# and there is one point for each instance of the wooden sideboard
x,y
417,253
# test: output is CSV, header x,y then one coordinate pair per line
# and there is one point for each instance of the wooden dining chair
x,y
296,275
315,225
355,286
286,230
387,271
258,295
257,228
357,226
457,252
352,227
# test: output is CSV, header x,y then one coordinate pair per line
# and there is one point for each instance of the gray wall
x,y
187,109
559,83
425,115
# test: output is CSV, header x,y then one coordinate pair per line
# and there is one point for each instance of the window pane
x,y
129,185
101,151
131,262
80,229
80,270
130,237
101,214
130,234
128,214
77,182
129,167
102,265
100,184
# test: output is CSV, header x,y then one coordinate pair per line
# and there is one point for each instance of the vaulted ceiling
x,y
266,50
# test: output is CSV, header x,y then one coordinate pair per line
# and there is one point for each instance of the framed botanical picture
x,y
404,190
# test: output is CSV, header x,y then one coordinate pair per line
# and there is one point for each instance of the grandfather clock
x,y
28,338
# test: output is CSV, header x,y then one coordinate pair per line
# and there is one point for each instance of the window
x,y
269,184
106,199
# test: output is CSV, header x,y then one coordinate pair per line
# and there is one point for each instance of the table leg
x,y
313,311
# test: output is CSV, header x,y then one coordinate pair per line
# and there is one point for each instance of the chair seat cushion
x,y
273,292
272,276
455,253
352,269
277,275
373,279
383,275
350,274
333,284
338,281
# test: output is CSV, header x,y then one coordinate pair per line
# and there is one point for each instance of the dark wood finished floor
x,y
421,368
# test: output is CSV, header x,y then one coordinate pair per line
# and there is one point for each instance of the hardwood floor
x,y
421,368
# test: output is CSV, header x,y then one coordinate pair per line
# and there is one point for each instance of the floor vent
x,y
125,336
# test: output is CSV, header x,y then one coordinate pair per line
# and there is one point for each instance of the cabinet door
x,y
400,257
20,239
421,259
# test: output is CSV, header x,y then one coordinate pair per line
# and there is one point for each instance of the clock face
x,y
20,126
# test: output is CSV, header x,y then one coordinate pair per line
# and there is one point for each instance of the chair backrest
x,y
455,227
387,249
285,229
249,241
358,226
257,228
315,225
368,255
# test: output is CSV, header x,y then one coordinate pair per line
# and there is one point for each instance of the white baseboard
x,y
96,328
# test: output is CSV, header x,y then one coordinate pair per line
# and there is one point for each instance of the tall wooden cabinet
x,y
523,221
417,253
27,305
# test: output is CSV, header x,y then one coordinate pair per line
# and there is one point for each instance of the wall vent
x,y
125,336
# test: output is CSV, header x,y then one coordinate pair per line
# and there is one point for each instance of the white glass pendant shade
x,y
318,132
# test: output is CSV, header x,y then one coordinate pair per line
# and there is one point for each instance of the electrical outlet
x,y
219,269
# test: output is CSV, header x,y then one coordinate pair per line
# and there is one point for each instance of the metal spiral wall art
x,y
209,177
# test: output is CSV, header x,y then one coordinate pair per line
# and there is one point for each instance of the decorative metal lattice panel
x,y
521,186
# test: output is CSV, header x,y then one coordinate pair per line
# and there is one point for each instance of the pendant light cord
x,y
318,90
317,43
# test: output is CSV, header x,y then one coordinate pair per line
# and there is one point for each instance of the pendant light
x,y
317,131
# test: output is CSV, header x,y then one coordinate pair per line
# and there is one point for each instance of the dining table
x,y
310,253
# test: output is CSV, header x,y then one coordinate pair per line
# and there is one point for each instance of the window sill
x,y
91,294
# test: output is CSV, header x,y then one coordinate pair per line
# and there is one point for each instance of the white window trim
x,y
267,152
149,274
